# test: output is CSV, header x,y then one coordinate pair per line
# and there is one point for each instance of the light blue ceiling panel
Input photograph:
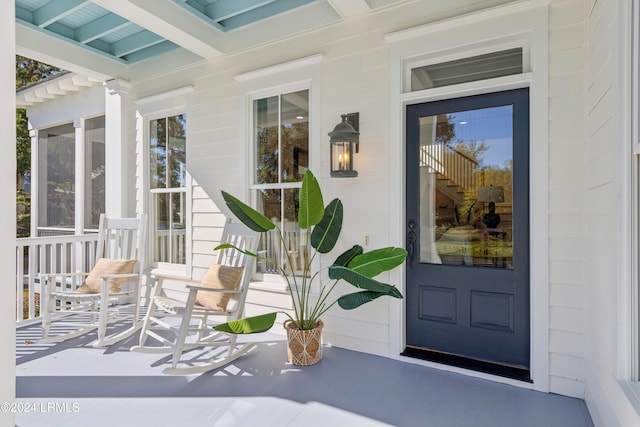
x,y
55,11
261,13
87,24
100,27
139,41
227,15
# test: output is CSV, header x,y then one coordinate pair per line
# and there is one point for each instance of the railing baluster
x,y
52,254
20,282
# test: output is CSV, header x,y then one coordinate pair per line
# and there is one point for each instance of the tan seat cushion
x,y
219,277
93,283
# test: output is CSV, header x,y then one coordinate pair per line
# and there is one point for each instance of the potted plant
x,y
322,226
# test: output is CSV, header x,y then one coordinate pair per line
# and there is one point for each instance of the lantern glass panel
x,y
341,156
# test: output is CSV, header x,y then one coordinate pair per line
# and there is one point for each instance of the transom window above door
x,y
470,69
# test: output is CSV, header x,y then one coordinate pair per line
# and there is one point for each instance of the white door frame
x,y
526,21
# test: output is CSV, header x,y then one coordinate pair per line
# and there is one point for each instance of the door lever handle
x,y
411,240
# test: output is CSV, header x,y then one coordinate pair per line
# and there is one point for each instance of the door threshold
x,y
506,371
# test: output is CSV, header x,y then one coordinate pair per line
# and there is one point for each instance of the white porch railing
x,y
55,254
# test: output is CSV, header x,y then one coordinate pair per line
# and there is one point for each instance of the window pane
x,y
265,130
167,177
94,172
162,227
295,135
178,227
466,188
177,151
158,152
281,132
56,161
169,227
491,65
269,203
295,255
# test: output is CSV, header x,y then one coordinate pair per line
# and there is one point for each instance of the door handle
x,y
411,240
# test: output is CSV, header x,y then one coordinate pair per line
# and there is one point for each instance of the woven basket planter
x,y
305,346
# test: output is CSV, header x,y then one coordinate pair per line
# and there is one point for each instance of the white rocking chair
x,y
177,324
82,302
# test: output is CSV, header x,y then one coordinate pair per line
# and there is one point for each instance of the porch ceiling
x,y
104,37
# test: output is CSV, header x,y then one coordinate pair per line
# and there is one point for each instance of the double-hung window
x,y
168,188
280,133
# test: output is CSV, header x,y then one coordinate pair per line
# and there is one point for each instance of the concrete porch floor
x,y
73,384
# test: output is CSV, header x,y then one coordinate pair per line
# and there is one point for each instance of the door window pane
x,y
56,165
466,191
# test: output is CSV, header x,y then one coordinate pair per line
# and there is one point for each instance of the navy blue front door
x,y
467,230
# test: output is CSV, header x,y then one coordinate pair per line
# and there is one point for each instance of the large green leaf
x,y
361,281
230,246
311,204
248,325
247,215
375,262
345,258
326,233
356,299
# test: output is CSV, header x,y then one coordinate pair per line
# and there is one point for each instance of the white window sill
x,y
269,286
178,270
632,390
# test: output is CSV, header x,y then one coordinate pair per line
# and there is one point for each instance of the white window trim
x,y
291,76
628,369
468,51
171,103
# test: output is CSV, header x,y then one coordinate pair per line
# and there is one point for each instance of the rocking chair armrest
x,y
163,276
48,276
118,276
202,288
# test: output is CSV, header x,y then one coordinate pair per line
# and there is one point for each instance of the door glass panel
x,y
466,191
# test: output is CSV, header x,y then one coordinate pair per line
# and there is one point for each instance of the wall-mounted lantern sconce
x,y
344,143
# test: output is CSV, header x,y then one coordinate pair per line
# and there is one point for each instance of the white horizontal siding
x,y
566,241
605,254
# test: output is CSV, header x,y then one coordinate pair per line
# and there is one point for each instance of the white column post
x,y
35,176
8,209
119,150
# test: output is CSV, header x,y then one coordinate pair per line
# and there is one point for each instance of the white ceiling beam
x,y
54,11
348,8
36,44
100,27
222,10
170,21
